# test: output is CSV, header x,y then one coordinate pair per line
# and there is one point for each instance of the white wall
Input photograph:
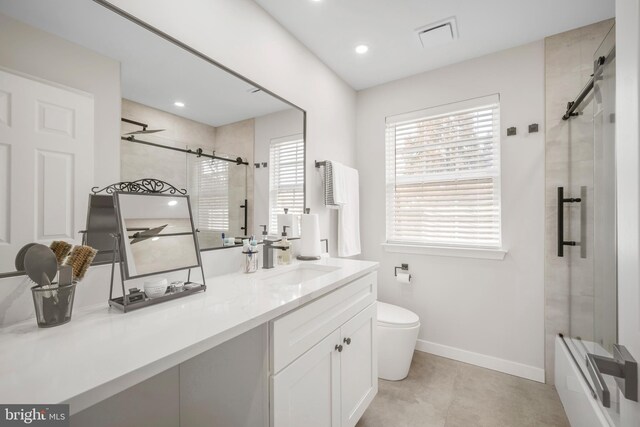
x,y
243,37
488,312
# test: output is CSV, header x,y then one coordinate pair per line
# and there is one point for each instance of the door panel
x,y
56,119
5,201
5,108
46,163
307,392
359,367
54,195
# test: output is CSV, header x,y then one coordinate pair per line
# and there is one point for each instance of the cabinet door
x,y
359,365
296,332
307,392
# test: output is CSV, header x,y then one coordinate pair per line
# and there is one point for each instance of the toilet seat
x,y
392,316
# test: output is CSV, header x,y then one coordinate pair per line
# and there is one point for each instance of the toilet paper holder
x,y
403,267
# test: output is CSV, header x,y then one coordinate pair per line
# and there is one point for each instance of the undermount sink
x,y
301,273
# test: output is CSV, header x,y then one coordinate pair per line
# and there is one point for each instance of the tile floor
x,y
444,393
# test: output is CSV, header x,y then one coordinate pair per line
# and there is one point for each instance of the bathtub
x,y
581,407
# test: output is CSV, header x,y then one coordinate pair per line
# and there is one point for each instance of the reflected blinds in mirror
x,y
213,192
443,175
286,178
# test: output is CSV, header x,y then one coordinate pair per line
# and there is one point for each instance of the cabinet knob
x,y
339,348
347,341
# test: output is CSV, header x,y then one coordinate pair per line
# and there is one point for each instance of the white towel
x,y
346,195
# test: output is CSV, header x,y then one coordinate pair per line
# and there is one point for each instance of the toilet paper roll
x,y
291,221
403,278
310,235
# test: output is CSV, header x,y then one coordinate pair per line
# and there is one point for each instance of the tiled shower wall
x,y
569,296
142,161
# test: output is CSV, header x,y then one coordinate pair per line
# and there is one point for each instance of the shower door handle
x,y
583,222
561,201
622,366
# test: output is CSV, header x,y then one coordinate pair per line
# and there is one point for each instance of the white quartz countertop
x,y
103,351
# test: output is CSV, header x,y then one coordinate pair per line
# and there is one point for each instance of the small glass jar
x,y
176,286
250,261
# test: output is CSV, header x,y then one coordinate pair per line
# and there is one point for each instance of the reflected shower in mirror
x,y
157,233
131,103
247,171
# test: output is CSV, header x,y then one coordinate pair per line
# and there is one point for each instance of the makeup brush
x,y
61,250
80,259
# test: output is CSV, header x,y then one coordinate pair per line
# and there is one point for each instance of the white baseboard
x,y
482,360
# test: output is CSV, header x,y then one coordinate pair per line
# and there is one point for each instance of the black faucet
x,y
267,252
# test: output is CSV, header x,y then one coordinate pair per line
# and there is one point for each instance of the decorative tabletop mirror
x,y
157,234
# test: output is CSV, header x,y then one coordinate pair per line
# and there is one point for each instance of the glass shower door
x,y
592,268
605,308
604,243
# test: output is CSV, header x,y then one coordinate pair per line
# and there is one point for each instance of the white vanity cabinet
x,y
324,359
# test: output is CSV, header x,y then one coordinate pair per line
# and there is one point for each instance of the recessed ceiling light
x,y
316,1
178,104
173,203
363,48
153,239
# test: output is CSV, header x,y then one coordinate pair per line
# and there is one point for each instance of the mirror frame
x,y
215,63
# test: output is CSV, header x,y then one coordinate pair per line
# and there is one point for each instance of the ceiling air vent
x,y
438,33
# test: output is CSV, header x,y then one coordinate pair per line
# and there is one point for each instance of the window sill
x,y
495,254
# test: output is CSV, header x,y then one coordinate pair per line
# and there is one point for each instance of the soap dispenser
x,y
265,233
284,254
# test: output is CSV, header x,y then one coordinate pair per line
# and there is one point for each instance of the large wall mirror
x,y
80,82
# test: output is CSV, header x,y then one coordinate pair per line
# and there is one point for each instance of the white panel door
x,y
307,392
46,163
358,365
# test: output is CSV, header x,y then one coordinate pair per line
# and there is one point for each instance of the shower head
x,y
146,234
144,127
144,131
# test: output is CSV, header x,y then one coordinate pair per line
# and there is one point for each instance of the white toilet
x,y
397,334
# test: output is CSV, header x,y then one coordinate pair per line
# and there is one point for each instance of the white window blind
x,y
286,178
213,194
443,175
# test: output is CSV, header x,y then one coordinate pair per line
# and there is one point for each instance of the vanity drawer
x,y
298,331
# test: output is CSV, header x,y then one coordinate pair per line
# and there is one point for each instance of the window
x,y
443,175
213,194
286,178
